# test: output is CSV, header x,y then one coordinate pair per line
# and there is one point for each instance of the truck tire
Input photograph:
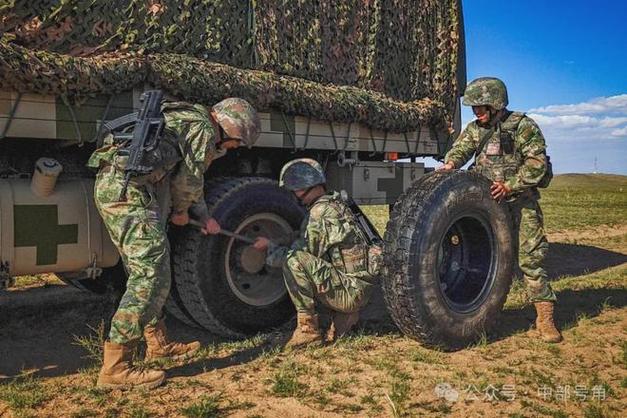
x,y
174,307
241,296
448,259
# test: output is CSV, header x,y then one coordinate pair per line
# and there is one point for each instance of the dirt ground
x,y
374,372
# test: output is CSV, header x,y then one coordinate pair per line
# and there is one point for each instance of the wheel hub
x,y
248,277
252,260
464,263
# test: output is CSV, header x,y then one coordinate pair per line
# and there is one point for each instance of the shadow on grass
x,y
576,260
276,340
40,339
571,305
43,343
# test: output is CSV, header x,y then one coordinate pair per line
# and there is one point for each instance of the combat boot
x,y
341,323
117,371
307,331
545,323
158,348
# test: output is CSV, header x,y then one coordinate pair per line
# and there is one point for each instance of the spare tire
x,y
221,283
448,259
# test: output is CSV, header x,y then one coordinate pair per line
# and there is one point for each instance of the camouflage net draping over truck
x,y
362,86
390,64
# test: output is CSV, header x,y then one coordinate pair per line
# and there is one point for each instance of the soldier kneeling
x,y
331,262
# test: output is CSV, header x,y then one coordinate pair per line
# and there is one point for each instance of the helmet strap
x,y
307,191
495,115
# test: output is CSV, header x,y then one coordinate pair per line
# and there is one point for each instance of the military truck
x,y
364,87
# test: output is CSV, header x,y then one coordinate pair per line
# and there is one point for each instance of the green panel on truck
x,y
37,226
85,117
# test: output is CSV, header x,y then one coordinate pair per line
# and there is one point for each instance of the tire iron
x,y
239,237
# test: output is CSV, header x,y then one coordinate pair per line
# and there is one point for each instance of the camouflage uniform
x,y
329,261
138,225
514,152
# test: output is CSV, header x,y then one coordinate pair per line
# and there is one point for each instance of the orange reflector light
x,y
391,156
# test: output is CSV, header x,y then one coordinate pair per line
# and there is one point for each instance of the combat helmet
x,y
238,119
486,91
301,173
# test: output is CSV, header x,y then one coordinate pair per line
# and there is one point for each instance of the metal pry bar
x,y
239,237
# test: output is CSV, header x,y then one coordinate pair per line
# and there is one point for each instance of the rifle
x,y
364,223
148,125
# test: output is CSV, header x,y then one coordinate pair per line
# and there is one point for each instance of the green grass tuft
x,y
206,407
594,411
24,393
285,381
399,393
341,386
93,343
425,355
139,411
84,413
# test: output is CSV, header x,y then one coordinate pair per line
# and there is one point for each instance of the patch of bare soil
x,y
592,234
38,325
581,252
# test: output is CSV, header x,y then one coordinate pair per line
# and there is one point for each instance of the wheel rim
x,y
466,263
249,278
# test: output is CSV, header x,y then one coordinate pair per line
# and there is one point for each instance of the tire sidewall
x,y
230,211
452,197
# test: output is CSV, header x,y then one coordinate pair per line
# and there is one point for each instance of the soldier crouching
x,y
330,263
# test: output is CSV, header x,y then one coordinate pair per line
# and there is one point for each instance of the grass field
x,y
375,371
585,201
573,201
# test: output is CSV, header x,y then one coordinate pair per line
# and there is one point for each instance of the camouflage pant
x,y
137,228
310,279
532,247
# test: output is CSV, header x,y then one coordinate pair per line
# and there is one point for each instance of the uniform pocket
x,y
108,187
375,259
355,258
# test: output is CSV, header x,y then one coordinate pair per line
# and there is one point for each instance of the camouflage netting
x,y
391,64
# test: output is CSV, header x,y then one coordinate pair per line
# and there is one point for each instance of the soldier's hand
x,y
448,166
323,288
212,227
180,219
375,250
499,190
261,244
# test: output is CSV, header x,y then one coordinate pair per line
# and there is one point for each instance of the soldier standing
x,y
194,136
510,150
331,261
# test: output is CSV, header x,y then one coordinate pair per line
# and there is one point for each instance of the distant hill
x,y
600,181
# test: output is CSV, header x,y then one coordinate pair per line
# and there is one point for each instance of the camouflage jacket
x,y
330,232
190,129
514,151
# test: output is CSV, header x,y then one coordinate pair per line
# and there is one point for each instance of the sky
x,y
565,64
